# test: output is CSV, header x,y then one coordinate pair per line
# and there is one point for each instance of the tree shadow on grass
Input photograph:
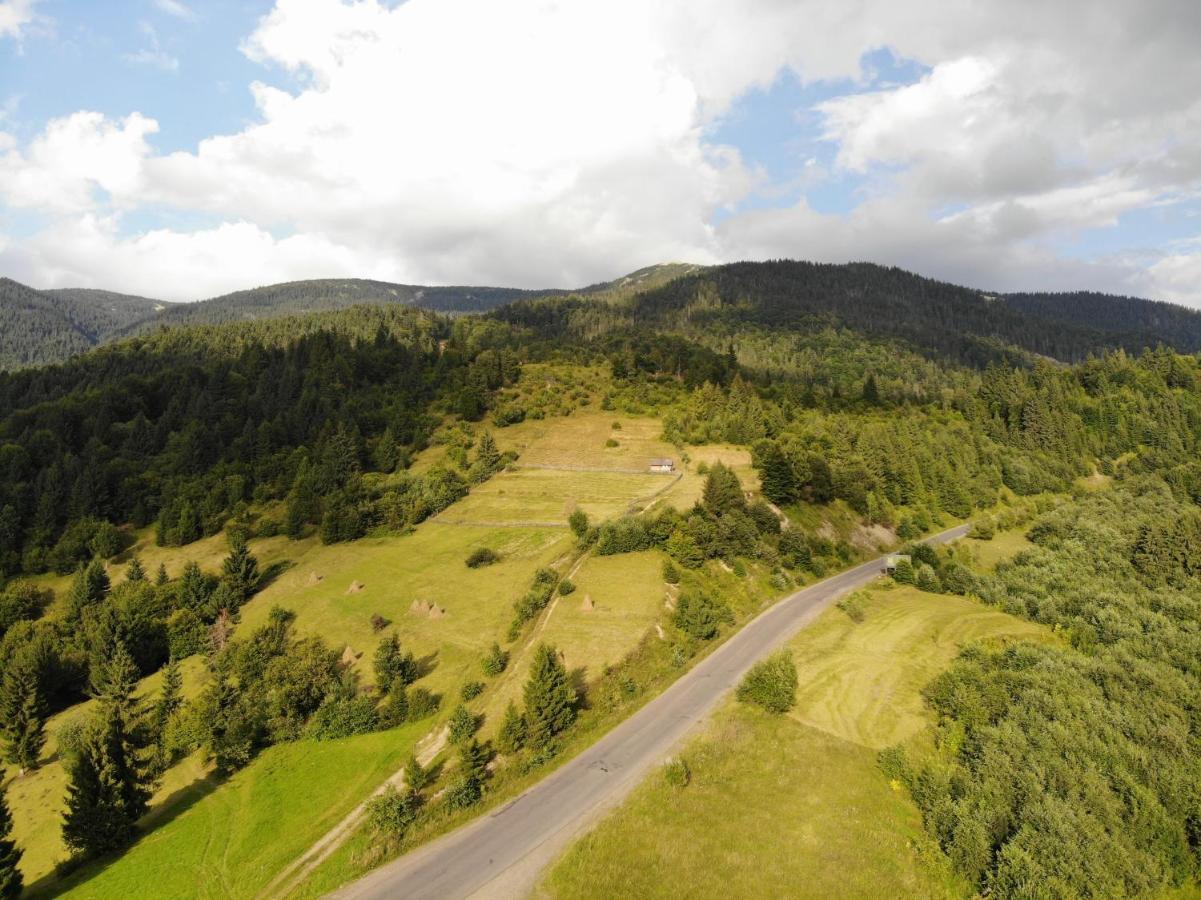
x,y
579,683
427,664
272,572
75,872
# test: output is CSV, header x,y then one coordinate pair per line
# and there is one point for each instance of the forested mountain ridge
x,y
1135,321
39,327
955,322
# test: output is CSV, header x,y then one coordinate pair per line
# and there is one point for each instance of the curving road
x,y
502,853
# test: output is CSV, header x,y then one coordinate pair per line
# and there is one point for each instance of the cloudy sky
x,y
181,149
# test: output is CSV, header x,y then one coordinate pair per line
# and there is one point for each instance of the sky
x,y
180,149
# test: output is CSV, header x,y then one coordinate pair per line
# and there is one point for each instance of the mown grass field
x,y
549,496
796,805
1006,545
229,840
427,565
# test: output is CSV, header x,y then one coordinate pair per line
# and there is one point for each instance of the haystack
x,y
349,657
587,605
437,612
419,607
314,579
356,587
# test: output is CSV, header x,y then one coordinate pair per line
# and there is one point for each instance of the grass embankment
x,y
796,805
230,839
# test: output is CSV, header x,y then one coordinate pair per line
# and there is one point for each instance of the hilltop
x,y
940,319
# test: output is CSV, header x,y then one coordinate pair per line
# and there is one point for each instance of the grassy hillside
x,y
797,805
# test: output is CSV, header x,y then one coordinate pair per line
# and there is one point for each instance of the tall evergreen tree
x,y
91,585
24,712
487,457
165,708
723,492
11,880
241,570
134,571
107,793
549,697
161,578
775,472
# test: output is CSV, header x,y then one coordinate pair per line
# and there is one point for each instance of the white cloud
x,y
62,168
15,15
541,142
153,54
177,9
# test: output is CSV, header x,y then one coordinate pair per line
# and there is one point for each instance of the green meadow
x,y
796,805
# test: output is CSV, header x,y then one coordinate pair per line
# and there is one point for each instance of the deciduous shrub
x,y
482,556
771,683
700,616
393,811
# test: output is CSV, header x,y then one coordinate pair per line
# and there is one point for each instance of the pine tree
x,y
723,492
11,880
775,471
871,393
391,665
91,585
161,578
194,589
487,457
107,793
24,712
241,571
134,571
168,705
512,734
549,697
416,777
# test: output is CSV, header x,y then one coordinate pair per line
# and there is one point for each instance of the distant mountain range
x,y
39,327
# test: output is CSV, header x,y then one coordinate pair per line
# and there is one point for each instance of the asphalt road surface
x,y
502,853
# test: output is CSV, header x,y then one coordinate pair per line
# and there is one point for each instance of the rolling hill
x,y
940,319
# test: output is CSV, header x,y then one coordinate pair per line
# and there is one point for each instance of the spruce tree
x,y
107,793
241,570
723,492
549,697
194,589
11,881
134,571
91,585
24,712
511,736
165,708
161,578
487,457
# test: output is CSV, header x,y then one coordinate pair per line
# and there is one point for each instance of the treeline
x,y
1072,768
188,438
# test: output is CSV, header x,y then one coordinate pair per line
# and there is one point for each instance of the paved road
x,y
502,853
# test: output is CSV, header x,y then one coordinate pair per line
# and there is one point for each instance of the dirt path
x,y
291,877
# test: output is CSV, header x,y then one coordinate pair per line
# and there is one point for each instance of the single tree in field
x,y
487,457
549,697
392,666
24,712
134,571
11,881
161,578
107,792
241,570
578,520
